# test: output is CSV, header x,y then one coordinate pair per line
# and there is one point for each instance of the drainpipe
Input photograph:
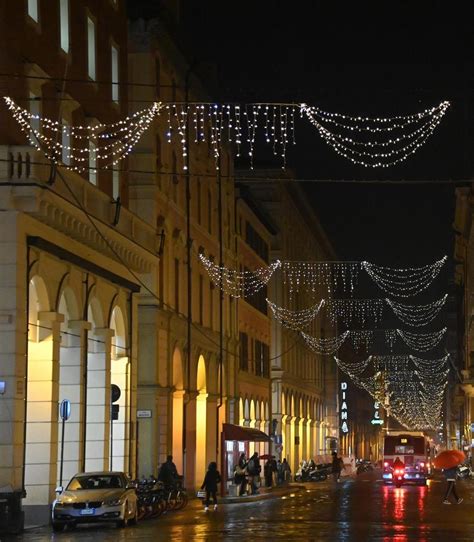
x,y
221,308
133,423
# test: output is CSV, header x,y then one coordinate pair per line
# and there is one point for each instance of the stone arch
x,y
38,301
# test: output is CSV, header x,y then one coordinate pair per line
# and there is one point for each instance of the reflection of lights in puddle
x,y
284,497
292,495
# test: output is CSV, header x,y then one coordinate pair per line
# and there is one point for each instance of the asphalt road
x,y
360,509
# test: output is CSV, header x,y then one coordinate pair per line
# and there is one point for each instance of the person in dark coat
x,y
268,473
240,477
450,475
336,467
253,469
211,480
168,472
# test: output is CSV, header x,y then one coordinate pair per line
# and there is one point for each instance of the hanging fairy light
x,y
375,142
360,310
423,342
325,345
404,282
113,141
238,283
295,319
417,315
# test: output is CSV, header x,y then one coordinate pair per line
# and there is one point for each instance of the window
x,y
34,110
64,24
92,163
33,9
258,299
115,184
158,162
115,73
199,201
91,48
176,284
262,359
244,352
174,178
66,143
256,242
211,305
157,76
201,300
209,211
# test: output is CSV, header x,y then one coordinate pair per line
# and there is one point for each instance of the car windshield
x,y
95,481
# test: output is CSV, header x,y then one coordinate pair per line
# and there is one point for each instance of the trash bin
x,y
12,518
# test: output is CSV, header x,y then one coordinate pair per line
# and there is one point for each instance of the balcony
x,y
67,202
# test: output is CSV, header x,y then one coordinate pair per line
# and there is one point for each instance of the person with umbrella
x,y
448,462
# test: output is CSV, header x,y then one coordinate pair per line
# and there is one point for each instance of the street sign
x,y
143,413
65,409
115,392
377,422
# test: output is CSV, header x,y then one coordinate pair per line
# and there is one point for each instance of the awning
x,y
236,432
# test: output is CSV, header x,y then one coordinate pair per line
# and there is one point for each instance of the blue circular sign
x,y
65,409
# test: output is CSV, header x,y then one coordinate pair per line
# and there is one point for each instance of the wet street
x,y
359,509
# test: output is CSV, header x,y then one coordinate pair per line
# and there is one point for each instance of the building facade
x,y
304,385
70,255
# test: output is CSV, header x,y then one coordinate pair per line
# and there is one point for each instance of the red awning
x,y
236,432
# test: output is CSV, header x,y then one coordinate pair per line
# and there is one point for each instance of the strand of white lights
x,y
308,277
112,142
238,283
423,364
349,310
423,342
405,282
417,315
239,125
362,339
297,319
353,369
325,345
398,137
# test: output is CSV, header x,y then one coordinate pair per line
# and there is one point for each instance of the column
x,y
97,445
71,387
211,425
42,411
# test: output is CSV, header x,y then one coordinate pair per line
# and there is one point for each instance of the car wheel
x,y
58,527
123,522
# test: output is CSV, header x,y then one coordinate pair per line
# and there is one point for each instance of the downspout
x,y
132,423
221,309
29,266
85,362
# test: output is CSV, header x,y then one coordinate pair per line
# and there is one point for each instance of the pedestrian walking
x,y
286,470
336,467
268,473
211,480
254,469
240,478
450,475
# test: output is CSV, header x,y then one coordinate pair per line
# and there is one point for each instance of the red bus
x,y
413,450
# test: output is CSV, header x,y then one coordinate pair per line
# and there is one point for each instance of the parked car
x,y
92,497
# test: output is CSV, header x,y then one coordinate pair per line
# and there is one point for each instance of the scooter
x,y
397,477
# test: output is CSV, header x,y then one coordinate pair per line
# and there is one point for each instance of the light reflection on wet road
x,y
355,510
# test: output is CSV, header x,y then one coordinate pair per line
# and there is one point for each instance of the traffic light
x,y
115,396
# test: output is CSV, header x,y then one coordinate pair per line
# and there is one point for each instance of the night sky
x,y
384,60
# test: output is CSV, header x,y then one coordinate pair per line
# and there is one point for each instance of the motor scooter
x,y
398,476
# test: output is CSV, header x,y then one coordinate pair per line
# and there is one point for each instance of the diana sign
x,y
376,420
343,409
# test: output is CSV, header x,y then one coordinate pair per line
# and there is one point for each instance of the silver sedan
x,y
92,497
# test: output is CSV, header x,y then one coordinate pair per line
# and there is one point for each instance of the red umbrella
x,y
449,459
266,456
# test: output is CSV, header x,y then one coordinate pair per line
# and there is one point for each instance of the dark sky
x,y
384,58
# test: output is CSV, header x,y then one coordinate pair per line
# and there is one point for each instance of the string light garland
x,y
295,319
238,283
376,142
423,342
417,315
242,126
111,142
325,345
404,282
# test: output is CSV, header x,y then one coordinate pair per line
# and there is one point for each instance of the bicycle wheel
x,y
181,500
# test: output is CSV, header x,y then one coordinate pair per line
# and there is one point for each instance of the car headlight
x,y
113,502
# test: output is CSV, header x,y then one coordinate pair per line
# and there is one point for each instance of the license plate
x,y
87,511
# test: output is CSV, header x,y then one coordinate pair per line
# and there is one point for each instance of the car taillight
x,y
422,464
